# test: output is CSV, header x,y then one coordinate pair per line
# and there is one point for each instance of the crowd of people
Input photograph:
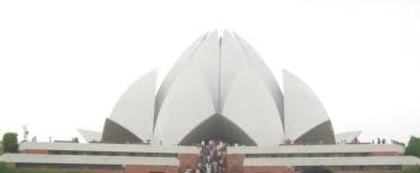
x,y
212,158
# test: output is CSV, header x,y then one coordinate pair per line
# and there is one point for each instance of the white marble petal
x,y
135,109
302,108
249,104
187,104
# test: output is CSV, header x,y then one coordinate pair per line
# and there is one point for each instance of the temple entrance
x,y
219,128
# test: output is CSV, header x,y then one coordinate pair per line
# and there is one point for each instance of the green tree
x,y
413,147
10,143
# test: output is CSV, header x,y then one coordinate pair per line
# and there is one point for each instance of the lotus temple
x,y
219,109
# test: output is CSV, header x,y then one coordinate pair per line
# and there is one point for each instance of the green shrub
x,y
413,147
412,170
3,167
10,143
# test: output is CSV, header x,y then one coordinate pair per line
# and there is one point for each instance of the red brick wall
x,y
149,169
107,171
368,171
268,169
235,163
29,151
188,161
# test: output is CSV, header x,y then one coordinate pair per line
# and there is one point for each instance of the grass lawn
x,y
5,169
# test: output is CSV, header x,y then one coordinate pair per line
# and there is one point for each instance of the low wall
x,y
150,169
188,161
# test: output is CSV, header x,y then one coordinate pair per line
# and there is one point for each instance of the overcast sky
x,y
64,64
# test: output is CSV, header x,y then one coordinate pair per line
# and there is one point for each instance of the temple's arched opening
x,y
321,134
117,134
218,127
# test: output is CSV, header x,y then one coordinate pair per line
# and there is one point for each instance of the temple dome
x,y
219,89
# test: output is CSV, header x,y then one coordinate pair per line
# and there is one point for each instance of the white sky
x,y
64,64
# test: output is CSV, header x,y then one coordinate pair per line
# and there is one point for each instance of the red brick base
x,y
150,169
107,171
235,163
34,151
268,169
188,161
